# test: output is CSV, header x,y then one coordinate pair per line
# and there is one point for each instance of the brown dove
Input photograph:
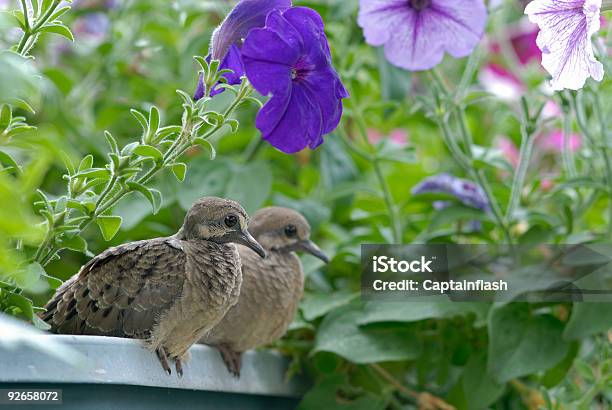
x,y
167,291
271,287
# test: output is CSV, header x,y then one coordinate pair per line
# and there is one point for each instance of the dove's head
x,y
284,230
220,221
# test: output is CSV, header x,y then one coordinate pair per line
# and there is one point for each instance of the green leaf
x,y
60,29
179,170
76,243
109,225
86,163
207,146
6,116
337,166
480,390
250,184
456,213
388,150
59,13
101,173
435,308
340,333
24,304
588,318
488,157
112,142
315,305
152,195
327,392
19,103
149,152
522,343
234,124
7,159
154,121
29,275
557,374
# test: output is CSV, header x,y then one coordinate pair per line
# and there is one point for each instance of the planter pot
x,y
112,373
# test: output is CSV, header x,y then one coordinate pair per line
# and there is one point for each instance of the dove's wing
x,y
121,292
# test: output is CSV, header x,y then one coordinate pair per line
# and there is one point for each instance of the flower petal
x,y
235,27
565,34
298,122
417,40
268,60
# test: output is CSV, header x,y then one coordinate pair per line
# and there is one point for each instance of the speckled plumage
x,y
271,287
167,291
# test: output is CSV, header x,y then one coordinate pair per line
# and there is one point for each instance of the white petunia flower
x,y
566,27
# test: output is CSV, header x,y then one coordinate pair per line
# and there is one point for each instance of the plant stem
x,y
568,157
465,160
603,143
521,172
578,106
396,225
30,32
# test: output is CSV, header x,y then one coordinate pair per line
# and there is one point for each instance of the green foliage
x,y
94,133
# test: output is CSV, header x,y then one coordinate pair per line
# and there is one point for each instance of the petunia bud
x,y
247,15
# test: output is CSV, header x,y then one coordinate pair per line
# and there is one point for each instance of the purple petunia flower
x,y
417,33
467,192
227,39
566,27
290,60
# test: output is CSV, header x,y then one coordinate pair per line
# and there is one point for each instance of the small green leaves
x,y
179,170
75,243
152,195
6,116
6,159
207,146
112,142
149,152
60,29
109,225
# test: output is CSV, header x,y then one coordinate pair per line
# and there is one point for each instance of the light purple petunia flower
x,y
467,192
228,37
290,60
566,27
417,33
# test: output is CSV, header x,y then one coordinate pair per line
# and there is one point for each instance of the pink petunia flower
x,y
554,141
507,147
398,136
501,82
566,28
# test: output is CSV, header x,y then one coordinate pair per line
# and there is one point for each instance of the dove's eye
x,y
231,220
290,231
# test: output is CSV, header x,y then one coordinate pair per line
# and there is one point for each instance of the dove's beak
x,y
246,239
310,247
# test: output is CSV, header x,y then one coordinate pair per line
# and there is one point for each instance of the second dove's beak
x,y
310,247
246,239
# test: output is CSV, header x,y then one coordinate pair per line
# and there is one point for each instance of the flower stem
x,y
521,172
396,225
581,120
603,126
31,32
465,159
568,157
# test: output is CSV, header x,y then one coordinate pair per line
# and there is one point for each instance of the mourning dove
x,y
167,291
271,287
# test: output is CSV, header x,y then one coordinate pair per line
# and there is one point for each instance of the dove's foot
x,y
178,363
163,358
232,359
